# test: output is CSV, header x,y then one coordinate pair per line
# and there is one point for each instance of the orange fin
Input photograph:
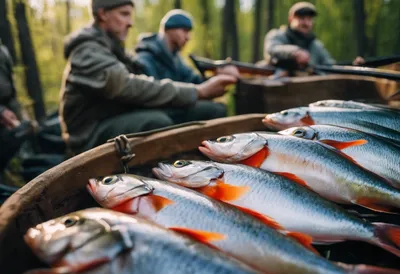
x,y
199,235
159,202
307,120
257,159
376,205
263,218
293,177
339,152
224,192
303,239
388,237
343,145
125,207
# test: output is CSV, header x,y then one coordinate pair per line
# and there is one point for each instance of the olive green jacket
x,y
97,84
280,44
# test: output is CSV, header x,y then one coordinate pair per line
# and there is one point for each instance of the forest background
x,y
34,32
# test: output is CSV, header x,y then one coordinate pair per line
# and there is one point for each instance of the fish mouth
x,y
270,123
162,171
205,149
91,185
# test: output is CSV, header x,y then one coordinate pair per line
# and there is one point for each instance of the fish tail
x,y
368,269
388,237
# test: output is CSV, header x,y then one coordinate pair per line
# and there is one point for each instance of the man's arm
x,y
189,75
148,64
276,46
325,57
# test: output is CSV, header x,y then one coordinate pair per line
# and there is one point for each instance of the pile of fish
x,y
261,203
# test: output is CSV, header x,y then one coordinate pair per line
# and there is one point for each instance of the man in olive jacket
x,y
296,44
101,97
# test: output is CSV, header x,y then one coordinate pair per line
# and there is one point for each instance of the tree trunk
x,y
5,30
177,4
206,23
225,32
270,17
358,6
257,30
234,31
68,15
28,57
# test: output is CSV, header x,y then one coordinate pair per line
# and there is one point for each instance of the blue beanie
x,y
176,19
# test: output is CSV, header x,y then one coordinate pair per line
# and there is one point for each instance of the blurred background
x,y
34,32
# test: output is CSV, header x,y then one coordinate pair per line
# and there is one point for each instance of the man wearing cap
x,y
102,97
296,43
159,53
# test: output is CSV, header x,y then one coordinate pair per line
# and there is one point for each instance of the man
x,y
297,44
159,53
101,98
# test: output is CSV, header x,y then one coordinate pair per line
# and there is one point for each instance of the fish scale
x,y
376,155
246,238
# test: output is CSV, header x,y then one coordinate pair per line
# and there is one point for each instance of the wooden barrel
x,y
262,95
61,190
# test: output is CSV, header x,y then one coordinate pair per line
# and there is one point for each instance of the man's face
x,y
302,23
117,21
178,37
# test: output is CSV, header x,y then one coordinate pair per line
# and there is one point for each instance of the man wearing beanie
x,y
297,44
102,97
159,53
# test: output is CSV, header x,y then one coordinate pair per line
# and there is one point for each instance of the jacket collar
x,y
299,39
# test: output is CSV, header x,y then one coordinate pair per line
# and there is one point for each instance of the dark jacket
x,y
280,44
159,62
97,85
7,90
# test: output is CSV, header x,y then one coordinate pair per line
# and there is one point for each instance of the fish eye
x,y
284,113
225,139
299,133
110,180
181,163
71,221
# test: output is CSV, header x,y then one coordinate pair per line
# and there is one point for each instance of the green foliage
x,y
334,27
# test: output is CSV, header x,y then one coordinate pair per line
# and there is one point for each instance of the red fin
x,y
303,239
125,207
257,159
199,235
376,205
367,269
307,120
343,145
388,237
292,177
339,152
263,218
224,192
159,202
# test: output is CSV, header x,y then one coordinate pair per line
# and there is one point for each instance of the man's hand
x,y
8,119
358,61
215,86
229,70
302,57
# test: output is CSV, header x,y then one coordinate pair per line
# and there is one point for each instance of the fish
x,y
292,206
243,236
97,240
374,122
321,168
372,153
352,105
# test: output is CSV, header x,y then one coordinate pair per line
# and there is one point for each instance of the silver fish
x,y
372,153
292,206
103,241
383,124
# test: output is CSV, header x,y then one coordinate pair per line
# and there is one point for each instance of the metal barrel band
x,y
124,150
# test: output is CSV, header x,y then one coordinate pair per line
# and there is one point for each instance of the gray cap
x,y
109,4
303,8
